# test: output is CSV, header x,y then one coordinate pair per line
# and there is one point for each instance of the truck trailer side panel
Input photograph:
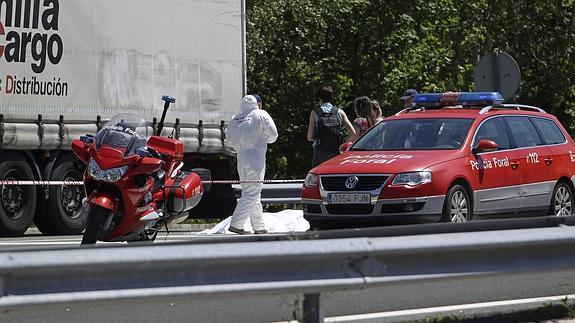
x,y
68,66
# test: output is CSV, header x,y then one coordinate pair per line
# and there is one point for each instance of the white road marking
x,y
75,240
435,310
32,243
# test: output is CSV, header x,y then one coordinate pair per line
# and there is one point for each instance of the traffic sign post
x,y
497,72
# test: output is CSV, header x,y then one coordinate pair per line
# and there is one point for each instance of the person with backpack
x,y
325,127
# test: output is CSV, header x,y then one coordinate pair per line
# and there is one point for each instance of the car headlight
x,y
310,180
412,179
107,175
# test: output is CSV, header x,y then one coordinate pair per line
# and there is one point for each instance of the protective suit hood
x,y
249,103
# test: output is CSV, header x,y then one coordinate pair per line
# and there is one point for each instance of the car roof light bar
x,y
457,98
516,106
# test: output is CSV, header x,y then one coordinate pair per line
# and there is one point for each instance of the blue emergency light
x,y
458,98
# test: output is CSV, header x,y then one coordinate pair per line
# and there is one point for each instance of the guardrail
x,y
288,193
285,280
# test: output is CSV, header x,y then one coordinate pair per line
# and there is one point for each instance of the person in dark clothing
x,y
325,125
407,98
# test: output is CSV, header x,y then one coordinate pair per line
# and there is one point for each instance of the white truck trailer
x,y
67,66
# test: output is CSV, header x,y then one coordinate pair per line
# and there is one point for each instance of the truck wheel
x,y
17,202
457,205
64,207
95,219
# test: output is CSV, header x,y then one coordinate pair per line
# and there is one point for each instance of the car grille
x,y
349,208
365,183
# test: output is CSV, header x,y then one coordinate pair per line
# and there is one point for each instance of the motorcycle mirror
x,y
154,153
143,152
86,139
169,99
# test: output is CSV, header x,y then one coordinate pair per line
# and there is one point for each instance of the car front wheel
x,y
457,205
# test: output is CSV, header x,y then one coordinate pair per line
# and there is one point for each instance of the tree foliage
x,y
380,48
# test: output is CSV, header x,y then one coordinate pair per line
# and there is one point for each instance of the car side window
x,y
523,132
549,131
493,129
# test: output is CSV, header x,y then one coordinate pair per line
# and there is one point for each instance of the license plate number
x,y
348,198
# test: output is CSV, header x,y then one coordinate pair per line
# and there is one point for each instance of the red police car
x,y
452,157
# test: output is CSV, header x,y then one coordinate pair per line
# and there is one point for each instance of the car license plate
x,y
349,198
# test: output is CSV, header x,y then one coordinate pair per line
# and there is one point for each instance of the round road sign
x,y
497,72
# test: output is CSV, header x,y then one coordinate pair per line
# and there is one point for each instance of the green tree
x,y
379,48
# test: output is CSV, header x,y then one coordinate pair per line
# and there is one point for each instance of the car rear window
x,y
415,134
549,131
523,131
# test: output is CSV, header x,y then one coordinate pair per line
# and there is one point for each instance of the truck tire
x,y
17,203
64,207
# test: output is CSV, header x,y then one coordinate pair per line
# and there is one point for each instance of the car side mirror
x,y
485,145
345,146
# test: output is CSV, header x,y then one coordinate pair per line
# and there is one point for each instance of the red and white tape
x,y
39,183
248,181
59,183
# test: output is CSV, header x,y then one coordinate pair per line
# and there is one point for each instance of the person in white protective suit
x,y
249,132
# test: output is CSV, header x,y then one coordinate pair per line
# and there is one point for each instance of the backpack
x,y
328,132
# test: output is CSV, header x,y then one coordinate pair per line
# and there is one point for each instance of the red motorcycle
x,y
134,185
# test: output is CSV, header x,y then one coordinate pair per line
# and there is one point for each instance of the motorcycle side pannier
x,y
185,193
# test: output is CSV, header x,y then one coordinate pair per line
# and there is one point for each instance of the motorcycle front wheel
x,y
95,217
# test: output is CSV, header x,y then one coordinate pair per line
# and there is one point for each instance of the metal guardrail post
x,y
289,194
311,308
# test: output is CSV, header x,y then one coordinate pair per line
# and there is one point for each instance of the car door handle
x,y
514,165
548,161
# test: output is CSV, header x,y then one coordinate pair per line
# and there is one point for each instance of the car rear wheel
x,y
562,201
457,205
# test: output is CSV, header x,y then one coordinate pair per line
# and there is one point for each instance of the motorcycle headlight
x,y
107,175
412,179
310,180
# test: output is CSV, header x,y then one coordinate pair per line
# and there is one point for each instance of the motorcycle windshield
x,y
123,132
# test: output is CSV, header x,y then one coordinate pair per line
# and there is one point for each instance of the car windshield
x,y
124,132
415,134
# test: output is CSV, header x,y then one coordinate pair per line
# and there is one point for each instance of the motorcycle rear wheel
x,y
95,217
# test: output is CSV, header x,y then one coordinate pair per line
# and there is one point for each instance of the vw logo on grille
x,y
351,182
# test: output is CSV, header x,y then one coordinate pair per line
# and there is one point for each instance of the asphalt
x,y
181,227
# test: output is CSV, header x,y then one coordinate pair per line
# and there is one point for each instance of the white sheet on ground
x,y
283,221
